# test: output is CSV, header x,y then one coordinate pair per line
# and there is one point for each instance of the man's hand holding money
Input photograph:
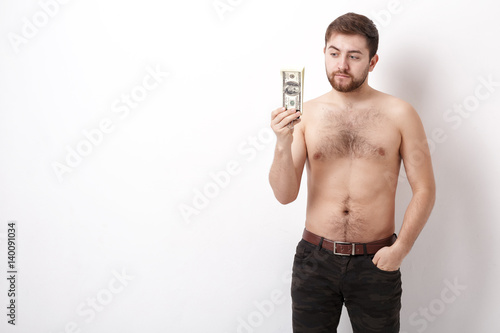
x,y
282,122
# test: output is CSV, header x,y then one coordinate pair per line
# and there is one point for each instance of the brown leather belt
x,y
347,248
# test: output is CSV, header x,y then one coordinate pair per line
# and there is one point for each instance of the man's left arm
x,y
416,157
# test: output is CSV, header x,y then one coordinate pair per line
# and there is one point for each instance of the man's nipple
x,y
317,155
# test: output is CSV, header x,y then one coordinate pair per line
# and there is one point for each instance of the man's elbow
x,y
284,194
428,193
433,197
431,189
285,199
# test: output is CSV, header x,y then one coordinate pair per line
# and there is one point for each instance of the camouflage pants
x,y
322,282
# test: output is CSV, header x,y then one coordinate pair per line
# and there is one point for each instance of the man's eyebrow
x,y
350,51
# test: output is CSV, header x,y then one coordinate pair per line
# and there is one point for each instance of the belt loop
x,y
365,250
321,243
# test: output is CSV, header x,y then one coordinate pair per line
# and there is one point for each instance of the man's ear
x,y
373,62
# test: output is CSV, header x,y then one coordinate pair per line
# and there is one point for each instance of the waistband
x,y
348,248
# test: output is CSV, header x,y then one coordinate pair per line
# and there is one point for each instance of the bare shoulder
x,y
400,111
315,102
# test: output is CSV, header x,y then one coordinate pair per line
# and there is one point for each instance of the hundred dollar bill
x,y
293,87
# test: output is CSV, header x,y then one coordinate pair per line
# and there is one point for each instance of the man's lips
x,y
343,75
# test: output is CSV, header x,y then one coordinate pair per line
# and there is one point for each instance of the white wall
x,y
103,247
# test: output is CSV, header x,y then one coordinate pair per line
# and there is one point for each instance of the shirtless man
x,y
352,141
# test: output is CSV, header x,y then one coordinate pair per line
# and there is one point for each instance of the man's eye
x,y
333,54
353,57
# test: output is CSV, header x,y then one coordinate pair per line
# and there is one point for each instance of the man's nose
x,y
343,65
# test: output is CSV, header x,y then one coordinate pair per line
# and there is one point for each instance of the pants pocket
x,y
304,251
372,265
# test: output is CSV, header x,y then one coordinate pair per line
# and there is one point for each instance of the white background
x,y
221,267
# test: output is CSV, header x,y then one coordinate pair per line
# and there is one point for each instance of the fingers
x,y
376,258
288,119
282,117
294,122
277,111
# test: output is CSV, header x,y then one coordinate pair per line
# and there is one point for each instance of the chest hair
x,y
349,133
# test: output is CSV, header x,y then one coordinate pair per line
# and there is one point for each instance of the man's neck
x,y
353,97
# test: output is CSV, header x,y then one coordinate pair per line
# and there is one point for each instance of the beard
x,y
354,84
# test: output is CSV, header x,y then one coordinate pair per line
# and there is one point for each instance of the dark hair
x,y
355,24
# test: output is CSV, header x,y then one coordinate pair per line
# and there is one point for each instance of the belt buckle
x,y
353,251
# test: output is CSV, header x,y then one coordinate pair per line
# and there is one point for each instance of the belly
x,y
352,200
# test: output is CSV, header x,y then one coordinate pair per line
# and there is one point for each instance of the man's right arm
x,y
289,155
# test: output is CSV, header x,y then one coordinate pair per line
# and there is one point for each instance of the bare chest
x,y
355,134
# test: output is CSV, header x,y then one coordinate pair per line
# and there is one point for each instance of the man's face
x,y
347,61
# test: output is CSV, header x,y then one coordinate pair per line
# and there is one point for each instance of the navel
x,y
346,202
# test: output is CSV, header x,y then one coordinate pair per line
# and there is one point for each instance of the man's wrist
x,y
401,248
